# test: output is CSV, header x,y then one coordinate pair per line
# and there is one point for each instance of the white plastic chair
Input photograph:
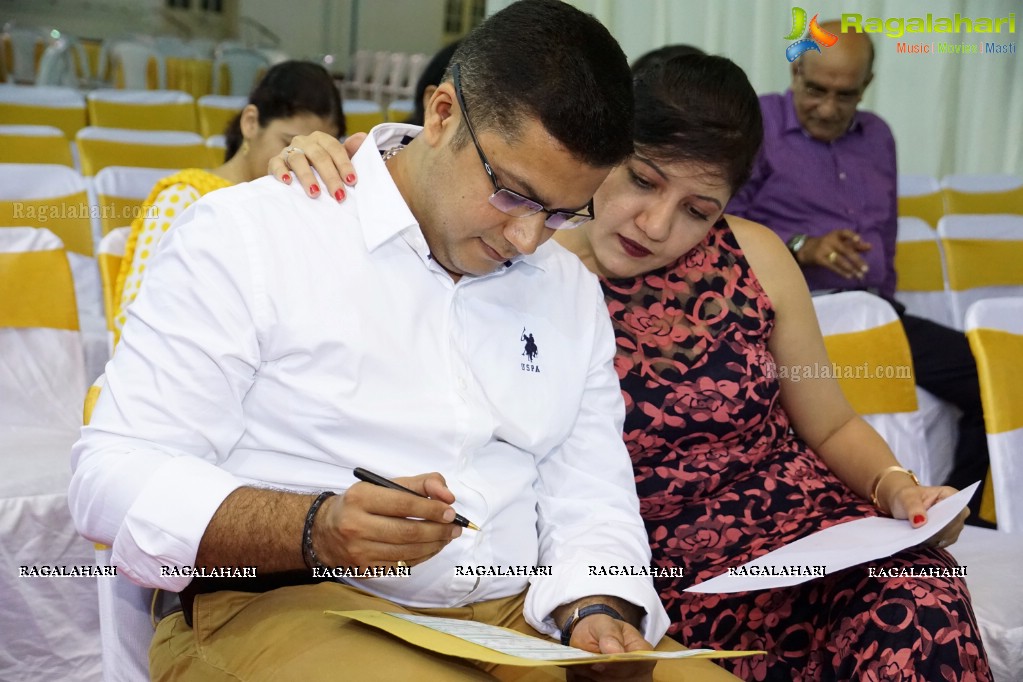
x,y
24,45
359,73
138,66
244,68
983,259
395,82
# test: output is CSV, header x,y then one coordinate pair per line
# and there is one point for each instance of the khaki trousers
x,y
284,635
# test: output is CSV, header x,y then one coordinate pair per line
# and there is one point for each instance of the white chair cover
x,y
858,311
992,560
981,183
964,233
1004,420
916,185
932,304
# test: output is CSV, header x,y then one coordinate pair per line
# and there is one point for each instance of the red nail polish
x,y
286,177
350,178
314,189
919,518
339,195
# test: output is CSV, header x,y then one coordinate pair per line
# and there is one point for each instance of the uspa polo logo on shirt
x,y
529,352
811,37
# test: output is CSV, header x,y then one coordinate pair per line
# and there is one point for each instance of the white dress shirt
x,y
281,341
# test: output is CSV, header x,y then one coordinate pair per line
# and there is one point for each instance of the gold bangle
x,y
880,477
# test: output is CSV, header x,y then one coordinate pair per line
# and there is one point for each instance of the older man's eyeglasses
x,y
511,202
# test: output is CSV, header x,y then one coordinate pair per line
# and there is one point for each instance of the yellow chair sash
x,y
213,121
874,369
38,291
35,149
1001,377
68,217
1008,201
68,120
117,212
362,123
194,76
142,116
927,207
918,266
96,155
976,263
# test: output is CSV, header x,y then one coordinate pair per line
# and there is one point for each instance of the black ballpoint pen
x,y
376,479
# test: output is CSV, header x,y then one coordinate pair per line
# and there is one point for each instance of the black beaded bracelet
x,y
591,610
308,555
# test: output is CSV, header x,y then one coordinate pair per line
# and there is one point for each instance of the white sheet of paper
x,y
838,547
517,644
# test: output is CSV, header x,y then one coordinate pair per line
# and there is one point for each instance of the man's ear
x,y
249,121
794,69
441,114
866,82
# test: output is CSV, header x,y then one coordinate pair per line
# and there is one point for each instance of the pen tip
x,y
473,526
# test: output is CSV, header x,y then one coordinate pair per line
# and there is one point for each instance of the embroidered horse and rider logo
x,y
531,351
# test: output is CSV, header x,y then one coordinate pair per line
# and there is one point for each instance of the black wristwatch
x,y
796,243
579,614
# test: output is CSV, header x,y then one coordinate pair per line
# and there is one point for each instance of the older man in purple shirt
x,y
825,181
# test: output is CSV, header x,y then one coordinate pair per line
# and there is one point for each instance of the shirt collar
x,y
790,122
387,215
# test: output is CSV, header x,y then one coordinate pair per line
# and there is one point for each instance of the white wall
x,y
949,113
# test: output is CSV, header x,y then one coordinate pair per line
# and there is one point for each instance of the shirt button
x,y
461,383
841,176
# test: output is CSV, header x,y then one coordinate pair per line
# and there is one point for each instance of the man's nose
x,y
528,232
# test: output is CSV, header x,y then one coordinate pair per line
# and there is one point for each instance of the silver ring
x,y
402,564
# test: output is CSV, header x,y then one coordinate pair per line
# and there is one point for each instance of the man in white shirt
x,y
418,327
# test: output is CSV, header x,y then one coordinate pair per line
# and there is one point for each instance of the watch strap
x,y
579,614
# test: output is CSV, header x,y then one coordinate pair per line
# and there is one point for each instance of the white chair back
x,y
864,339
920,271
983,259
995,330
243,67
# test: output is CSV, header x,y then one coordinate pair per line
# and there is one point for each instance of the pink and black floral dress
x,y
723,479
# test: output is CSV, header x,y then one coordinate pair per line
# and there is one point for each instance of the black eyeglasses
x,y
511,202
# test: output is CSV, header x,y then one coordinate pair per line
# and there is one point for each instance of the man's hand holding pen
x,y
370,525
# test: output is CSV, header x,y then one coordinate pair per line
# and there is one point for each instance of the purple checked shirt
x,y
801,185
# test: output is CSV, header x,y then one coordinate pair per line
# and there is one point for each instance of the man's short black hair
x,y
547,60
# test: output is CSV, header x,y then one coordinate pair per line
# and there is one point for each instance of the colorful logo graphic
x,y
806,39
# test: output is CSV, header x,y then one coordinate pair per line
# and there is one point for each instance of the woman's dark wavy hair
x,y
288,89
699,109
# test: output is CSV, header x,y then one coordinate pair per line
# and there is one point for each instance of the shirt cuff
x,y
572,580
162,529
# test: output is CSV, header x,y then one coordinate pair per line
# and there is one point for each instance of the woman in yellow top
x,y
294,98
